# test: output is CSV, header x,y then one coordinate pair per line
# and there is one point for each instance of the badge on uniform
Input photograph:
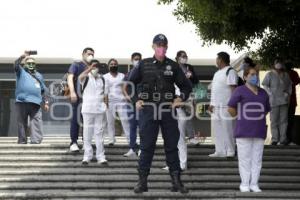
x,y
168,71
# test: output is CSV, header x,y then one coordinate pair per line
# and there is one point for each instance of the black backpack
x,y
240,80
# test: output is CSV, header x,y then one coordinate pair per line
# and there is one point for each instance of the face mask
x,y
160,52
94,72
278,66
253,80
30,67
135,63
182,60
89,58
113,69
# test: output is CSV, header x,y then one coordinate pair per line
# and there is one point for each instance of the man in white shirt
x,y
94,99
116,101
224,82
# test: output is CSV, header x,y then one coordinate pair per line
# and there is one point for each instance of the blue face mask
x,y
253,80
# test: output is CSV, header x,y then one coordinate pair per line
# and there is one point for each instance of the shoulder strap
x,y
38,80
85,84
103,80
228,70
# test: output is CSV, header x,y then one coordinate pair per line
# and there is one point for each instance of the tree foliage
x,y
239,23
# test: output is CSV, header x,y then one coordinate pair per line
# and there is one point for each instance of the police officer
x,y
157,101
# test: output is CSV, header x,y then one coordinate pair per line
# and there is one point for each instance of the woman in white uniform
x,y
94,95
116,101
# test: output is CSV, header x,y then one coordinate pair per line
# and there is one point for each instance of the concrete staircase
x,y
50,171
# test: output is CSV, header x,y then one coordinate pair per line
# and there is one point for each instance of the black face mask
x,y
113,69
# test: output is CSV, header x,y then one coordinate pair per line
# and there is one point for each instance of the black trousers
x,y
149,124
34,113
291,117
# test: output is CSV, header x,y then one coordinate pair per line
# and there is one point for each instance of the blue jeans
x,y
133,123
75,121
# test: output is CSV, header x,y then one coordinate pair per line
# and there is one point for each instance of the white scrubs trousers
x,y
182,146
122,109
250,152
93,126
223,125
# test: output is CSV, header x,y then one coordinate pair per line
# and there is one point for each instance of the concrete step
x,y
133,163
132,171
66,140
119,150
50,171
6,179
114,157
157,185
153,195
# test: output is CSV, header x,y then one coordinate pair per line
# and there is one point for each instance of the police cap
x,y
160,38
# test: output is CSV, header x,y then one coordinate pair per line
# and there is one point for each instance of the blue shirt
x,y
76,69
29,89
132,90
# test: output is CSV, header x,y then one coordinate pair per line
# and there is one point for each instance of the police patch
x,y
168,71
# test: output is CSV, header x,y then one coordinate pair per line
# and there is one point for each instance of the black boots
x,y
176,183
142,185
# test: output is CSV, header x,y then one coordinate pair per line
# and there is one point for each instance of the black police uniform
x,y
156,88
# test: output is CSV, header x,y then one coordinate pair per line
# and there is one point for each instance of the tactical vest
x,y
157,84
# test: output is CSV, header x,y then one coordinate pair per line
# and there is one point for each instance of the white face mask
x,y
94,72
89,58
278,66
135,63
183,60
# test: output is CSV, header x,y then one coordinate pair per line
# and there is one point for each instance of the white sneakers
x,y
102,161
130,153
193,141
244,189
111,142
253,188
167,168
217,155
231,155
85,161
74,147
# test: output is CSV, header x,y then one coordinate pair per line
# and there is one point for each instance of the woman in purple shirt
x,y
250,104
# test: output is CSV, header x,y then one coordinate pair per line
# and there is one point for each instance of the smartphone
x,y
31,52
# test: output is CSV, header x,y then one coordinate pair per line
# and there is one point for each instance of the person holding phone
x,y
30,95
